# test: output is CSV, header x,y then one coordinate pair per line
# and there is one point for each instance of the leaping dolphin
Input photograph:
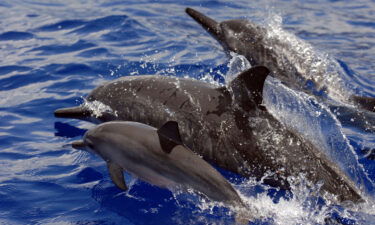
x,y
228,126
291,66
156,156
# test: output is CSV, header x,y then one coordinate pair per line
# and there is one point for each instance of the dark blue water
x,y
54,52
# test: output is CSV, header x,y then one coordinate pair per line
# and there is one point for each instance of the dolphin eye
x,y
90,145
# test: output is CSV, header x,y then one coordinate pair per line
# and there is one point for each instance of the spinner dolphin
x,y
228,126
156,156
294,68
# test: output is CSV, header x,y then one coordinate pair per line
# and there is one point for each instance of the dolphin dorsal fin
x,y
254,79
117,176
169,136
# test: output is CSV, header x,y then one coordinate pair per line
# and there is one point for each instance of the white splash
x,y
314,121
315,65
98,108
236,65
303,114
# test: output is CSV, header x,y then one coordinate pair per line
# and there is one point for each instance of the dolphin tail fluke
x,y
242,218
206,22
77,112
245,214
367,103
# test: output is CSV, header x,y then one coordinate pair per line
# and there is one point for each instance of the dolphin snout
x,y
206,22
80,145
78,112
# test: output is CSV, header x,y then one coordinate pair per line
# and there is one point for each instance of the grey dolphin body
x,y
291,66
157,157
227,126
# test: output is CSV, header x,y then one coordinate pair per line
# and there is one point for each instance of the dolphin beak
x,y
78,112
367,103
80,145
206,22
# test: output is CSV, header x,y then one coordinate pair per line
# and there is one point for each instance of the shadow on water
x,y
68,131
147,204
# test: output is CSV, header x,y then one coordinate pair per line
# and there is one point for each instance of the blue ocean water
x,y
54,52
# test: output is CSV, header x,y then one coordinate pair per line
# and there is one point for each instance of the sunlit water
x,y
54,52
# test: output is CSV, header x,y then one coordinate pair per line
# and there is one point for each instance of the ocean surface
x,y
53,52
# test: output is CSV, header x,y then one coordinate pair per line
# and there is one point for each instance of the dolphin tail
x,y
245,214
206,22
242,218
367,103
78,112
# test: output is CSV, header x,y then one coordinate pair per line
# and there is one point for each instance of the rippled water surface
x,y
54,52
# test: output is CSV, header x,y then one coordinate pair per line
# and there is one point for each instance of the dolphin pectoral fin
x,y
367,103
78,112
254,79
117,175
207,23
169,136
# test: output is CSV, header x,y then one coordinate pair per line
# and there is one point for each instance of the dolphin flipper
x,y
117,176
169,136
